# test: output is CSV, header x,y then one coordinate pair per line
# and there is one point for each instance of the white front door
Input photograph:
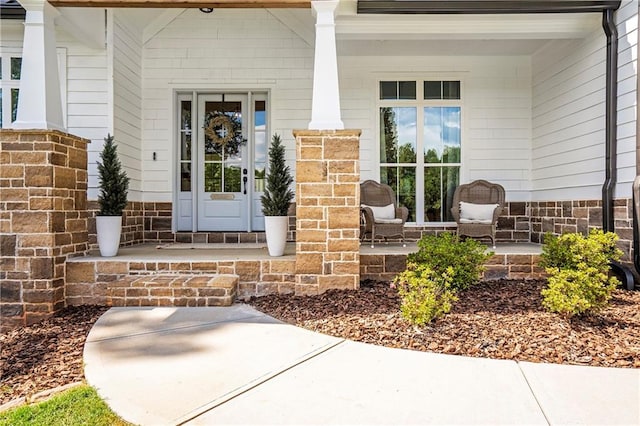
x,y
223,175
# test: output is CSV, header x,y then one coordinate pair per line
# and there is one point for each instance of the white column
x,y
325,108
39,104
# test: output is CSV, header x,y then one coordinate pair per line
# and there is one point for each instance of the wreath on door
x,y
224,132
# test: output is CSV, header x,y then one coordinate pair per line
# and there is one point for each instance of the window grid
x,y
410,176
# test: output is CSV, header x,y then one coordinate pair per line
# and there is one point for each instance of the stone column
x,y
40,105
327,210
43,220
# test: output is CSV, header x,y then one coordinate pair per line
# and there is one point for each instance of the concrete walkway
x,y
206,366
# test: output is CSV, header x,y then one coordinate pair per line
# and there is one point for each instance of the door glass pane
x,y
185,130
232,178
14,104
398,135
185,177
16,64
212,177
260,144
403,182
223,142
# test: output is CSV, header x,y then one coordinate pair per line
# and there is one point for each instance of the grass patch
x,y
77,406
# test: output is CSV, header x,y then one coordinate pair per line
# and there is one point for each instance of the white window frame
x,y
419,104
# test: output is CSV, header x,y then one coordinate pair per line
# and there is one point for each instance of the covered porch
x,y
97,280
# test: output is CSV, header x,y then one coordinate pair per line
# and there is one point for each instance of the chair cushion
x,y
382,212
388,220
477,213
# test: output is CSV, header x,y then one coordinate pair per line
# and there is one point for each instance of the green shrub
x,y
572,249
465,257
424,293
578,269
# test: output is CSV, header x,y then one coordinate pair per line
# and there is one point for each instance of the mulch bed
x,y
45,355
501,319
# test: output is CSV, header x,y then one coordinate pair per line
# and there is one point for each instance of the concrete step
x,y
173,290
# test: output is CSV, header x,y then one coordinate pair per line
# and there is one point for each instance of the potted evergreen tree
x,y
112,199
277,198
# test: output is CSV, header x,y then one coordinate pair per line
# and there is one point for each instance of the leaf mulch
x,y
500,319
45,355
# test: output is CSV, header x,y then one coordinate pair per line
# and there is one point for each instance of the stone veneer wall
x,y
558,217
327,210
43,220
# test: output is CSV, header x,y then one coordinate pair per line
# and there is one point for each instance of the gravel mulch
x,y
502,320
45,355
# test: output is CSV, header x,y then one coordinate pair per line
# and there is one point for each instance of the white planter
x,y
108,229
276,228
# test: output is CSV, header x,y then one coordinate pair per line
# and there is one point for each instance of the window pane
x,y
14,104
403,182
433,90
16,63
388,90
439,185
0,108
451,134
450,180
398,135
185,177
433,194
450,90
407,89
441,135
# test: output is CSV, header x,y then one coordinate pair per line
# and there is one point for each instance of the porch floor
x,y
251,251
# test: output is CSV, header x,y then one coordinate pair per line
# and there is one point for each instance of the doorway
x,y
222,161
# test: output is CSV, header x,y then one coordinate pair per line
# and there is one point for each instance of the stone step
x,y
173,290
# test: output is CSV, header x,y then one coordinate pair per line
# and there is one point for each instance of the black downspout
x,y
611,139
608,187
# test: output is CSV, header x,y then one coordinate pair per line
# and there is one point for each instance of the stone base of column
x,y
43,220
327,210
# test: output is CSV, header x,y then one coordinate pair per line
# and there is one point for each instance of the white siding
x,y
496,111
127,97
229,49
87,100
627,24
569,110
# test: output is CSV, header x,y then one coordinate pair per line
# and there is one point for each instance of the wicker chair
x,y
376,196
481,194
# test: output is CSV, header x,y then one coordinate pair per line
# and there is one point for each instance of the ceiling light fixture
x,y
206,9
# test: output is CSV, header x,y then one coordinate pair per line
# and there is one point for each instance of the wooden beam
x,y
216,4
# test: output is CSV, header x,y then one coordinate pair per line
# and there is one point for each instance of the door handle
x,y
244,180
